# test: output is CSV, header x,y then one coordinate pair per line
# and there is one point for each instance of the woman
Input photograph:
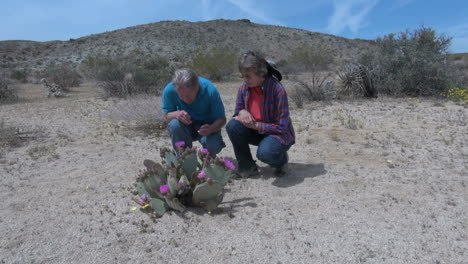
x,y
261,117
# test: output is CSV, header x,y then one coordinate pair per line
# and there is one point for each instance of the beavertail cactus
x,y
189,177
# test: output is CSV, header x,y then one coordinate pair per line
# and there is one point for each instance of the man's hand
x,y
205,130
183,117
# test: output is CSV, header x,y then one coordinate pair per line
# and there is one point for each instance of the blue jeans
x,y
270,150
179,131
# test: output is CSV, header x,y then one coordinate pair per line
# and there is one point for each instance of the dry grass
x,y
141,113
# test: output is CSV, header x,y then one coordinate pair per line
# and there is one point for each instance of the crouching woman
x,y
261,117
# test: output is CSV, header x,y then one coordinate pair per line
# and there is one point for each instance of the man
x,y
195,111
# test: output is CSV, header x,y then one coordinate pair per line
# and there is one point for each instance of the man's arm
x,y
180,115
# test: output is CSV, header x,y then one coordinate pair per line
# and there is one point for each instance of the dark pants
x,y
270,150
179,131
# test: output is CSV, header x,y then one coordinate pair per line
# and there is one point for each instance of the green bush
x,y
411,63
216,64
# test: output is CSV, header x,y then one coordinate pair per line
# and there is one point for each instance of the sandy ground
x,y
370,181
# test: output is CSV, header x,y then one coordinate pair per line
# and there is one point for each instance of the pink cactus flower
x,y
209,180
229,165
164,189
204,151
201,175
180,144
144,197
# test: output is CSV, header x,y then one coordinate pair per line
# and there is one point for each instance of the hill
x,y
178,39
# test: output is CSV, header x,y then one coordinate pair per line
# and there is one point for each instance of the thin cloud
x,y
399,4
248,6
349,15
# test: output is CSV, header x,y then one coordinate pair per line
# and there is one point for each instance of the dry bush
x,y
318,87
142,113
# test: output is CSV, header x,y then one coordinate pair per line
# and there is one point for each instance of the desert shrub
x,y
20,75
63,74
128,75
216,64
7,90
411,63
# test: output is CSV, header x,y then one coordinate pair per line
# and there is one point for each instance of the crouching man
x,y
195,111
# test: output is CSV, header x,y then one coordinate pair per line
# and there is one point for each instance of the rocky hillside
x,y
175,40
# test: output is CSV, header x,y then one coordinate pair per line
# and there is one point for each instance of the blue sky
x,y
367,19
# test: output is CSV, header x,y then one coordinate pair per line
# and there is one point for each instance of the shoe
x,y
281,171
252,172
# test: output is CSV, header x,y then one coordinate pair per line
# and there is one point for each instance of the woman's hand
x,y
246,119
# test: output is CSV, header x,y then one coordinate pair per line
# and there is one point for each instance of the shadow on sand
x,y
296,174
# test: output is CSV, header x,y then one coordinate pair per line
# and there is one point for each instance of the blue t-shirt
x,y
206,108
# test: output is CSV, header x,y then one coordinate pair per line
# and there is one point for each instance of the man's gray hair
x,y
184,78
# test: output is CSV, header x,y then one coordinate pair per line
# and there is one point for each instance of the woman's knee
x,y
234,127
267,156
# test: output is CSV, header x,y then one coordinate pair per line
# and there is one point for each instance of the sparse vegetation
x,y
216,64
13,136
7,90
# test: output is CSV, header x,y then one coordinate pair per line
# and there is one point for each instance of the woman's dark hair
x,y
256,62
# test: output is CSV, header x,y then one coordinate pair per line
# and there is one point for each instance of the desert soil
x,y
369,181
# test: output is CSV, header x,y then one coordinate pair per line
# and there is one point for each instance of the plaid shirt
x,y
275,110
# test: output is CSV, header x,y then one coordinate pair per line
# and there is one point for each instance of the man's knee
x,y
214,143
174,125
